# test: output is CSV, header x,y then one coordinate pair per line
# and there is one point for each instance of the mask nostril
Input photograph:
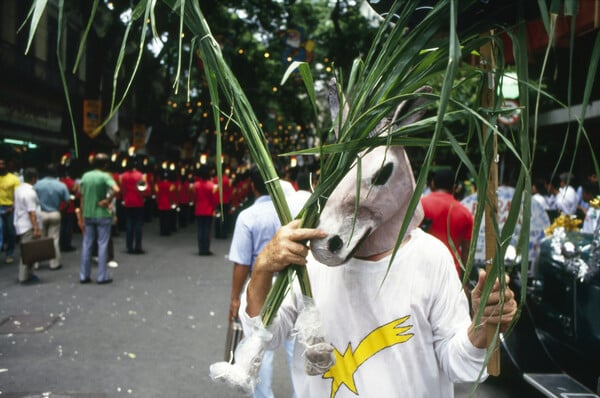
x,y
335,244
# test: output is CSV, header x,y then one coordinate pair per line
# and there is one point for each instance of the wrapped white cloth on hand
x,y
318,354
243,374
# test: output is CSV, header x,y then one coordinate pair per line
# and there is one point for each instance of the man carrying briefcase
x,y
26,219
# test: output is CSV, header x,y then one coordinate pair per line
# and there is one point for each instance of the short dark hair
x,y
303,180
540,186
52,170
204,172
30,174
257,181
100,161
444,179
591,188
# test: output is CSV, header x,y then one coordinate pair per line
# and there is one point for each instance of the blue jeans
x,y
204,223
289,352
265,376
7,228
95,229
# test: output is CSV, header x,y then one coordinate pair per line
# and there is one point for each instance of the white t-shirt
x,y
400,334
592,217
26,200
541,199
566,200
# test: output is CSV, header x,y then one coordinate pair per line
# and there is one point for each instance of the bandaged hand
x,y
318,358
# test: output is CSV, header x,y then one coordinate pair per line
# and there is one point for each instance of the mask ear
x,y
411,111
334,107
406,113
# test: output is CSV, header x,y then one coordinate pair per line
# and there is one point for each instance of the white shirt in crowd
x,y
26,200
566,200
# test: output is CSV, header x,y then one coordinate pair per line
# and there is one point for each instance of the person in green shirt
x,y
97,189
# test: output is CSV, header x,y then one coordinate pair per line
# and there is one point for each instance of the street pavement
x,y
153,332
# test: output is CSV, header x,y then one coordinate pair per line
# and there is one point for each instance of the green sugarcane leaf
x,y
115,105
304,69
153,20
63,78
178,73
85,34
36,12
571,7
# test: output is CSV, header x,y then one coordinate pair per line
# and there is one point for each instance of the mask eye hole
x,y
383,174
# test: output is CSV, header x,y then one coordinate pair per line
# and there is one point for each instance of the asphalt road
x,y
153,332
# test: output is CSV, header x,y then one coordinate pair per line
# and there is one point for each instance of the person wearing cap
x,y
133,184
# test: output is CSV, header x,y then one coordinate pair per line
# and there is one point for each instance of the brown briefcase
x,y
35,250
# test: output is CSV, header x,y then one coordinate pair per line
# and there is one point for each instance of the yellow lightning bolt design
x,y
347,364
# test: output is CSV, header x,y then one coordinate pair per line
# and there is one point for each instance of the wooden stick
x,y
491,204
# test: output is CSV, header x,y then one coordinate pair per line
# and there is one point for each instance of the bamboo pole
x,y
491,204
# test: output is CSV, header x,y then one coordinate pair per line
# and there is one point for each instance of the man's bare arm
x,y
240,274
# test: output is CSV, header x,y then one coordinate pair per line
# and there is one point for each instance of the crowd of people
x,y
114,195
451,222
111,197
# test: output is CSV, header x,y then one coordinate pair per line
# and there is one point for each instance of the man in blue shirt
x,y
254,228
52,193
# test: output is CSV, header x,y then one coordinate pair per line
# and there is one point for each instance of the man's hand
x,y
234,307
499,309
104,203
285,248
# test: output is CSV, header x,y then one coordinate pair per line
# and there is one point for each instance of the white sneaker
x,y
112,264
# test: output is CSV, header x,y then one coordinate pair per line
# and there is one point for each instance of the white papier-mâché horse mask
x,y
386,186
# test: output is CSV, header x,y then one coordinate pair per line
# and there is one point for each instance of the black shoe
x,y
68,249
31,281
86,280
104,282
139,251
208,253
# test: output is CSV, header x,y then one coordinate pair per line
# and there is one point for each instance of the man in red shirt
x,y
133,185
206,198
164,189
184,199
447,219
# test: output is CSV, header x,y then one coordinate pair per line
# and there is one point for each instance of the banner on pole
x,y
138,133
92,111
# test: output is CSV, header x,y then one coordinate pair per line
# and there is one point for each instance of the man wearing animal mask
x,y
392,326
408,332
